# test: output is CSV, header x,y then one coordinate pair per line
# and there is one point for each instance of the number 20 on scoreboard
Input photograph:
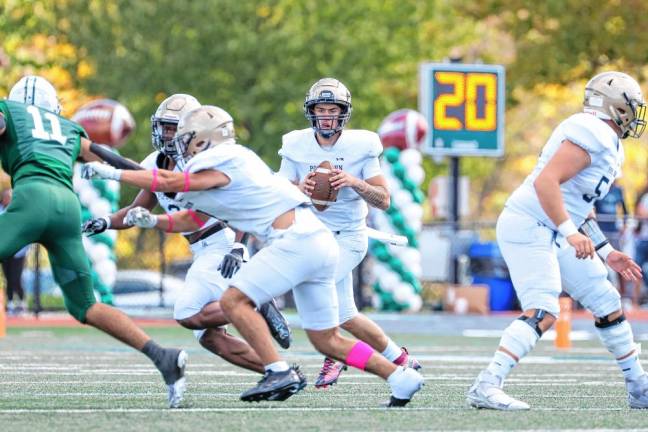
x,y
464,107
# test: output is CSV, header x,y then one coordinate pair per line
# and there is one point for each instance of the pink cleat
x,y
407,360
330,373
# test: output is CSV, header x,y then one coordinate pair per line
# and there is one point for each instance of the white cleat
x,y
404,383
178,387
486,392
638,392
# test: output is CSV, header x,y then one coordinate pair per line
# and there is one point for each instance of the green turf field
x,y
78,379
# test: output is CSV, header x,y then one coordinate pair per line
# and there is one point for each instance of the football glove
x,y
100,170
141,217
231,263
95,226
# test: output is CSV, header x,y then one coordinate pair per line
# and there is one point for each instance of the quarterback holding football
x,y
348,158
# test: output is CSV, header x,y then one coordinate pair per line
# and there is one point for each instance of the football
x,y
323,194
106,121
403,129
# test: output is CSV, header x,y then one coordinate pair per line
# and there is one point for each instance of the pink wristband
x,y
154,183
186,182
195,218
359,355
170,223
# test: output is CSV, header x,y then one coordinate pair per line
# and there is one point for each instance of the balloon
x,y
402,292
412,212
410,158
401,198
398,169
388,281
87,195
414,303
101,252
392,154
100,207
416,173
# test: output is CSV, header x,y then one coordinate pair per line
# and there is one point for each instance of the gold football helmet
x,y
617,96
201,129
328,91
165,121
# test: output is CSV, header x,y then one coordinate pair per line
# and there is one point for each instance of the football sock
x,y
280,366
153,351
619,340
519,339
392,352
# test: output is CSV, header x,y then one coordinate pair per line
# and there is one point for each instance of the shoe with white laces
x,y
486,392
638,392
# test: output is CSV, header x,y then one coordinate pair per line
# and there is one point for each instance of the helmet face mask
x,y
321,95
616,96
35,90
164,122
201,129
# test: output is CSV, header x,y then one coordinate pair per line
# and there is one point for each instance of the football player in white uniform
x,y
358,177
538,236
211,242
224,179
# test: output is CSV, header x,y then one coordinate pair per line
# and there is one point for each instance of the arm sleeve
x,y
288,170
371,168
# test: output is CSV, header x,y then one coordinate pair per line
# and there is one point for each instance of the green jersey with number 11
x,y
38,143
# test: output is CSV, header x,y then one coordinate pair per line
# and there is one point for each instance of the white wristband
x,y
107,219
605,251
567,228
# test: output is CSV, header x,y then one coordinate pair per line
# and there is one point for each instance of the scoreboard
x,y
464,107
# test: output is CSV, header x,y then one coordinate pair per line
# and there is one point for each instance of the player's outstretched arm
x,y
182,221
145,199
158,180
92,152
374,191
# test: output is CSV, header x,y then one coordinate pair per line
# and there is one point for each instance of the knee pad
x,y
617,336
534,321
519,338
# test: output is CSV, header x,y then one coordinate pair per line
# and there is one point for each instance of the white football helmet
x,y
164,122
328,91
200,129
35,90
617,96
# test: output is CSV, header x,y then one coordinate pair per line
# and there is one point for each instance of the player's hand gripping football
x,y
308,184
583,245
100,170
141,217
340,179
95,226
231,263
624,265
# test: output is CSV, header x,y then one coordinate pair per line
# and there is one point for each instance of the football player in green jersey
x,y
38,148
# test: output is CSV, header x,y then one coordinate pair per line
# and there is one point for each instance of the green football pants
x,y
48,213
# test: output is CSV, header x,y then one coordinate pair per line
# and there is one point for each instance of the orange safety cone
x,y
563,324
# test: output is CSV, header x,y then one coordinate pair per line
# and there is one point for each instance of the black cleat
x,y
394,402
277,323
276,386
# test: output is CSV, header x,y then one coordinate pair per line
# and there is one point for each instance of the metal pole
x,y
455,174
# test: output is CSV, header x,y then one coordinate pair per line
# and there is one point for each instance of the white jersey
x,y
355,152
252,200
165,199
578,193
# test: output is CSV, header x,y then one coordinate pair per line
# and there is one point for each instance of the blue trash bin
x,y
488,267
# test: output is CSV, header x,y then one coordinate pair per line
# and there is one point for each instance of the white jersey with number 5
x,y
252,200
355,152
579,193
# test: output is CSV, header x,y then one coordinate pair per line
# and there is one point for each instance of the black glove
x,y
231,263
95,226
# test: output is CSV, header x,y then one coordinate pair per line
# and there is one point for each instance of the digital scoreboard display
x,y
464,107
